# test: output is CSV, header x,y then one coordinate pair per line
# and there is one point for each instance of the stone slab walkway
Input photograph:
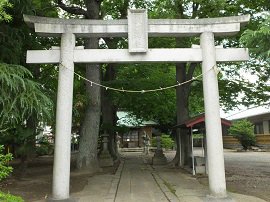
x,y
138,181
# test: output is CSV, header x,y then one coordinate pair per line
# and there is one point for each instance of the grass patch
x,y
170,188
10,198
231,190
204,184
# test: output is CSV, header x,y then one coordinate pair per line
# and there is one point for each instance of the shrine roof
x,y
125,119
197,122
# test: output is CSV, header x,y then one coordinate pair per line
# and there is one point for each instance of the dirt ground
x,y
38,182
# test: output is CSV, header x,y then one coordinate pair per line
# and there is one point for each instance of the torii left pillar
x,y
61,168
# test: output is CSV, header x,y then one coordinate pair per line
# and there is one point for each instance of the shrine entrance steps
x,y
134,149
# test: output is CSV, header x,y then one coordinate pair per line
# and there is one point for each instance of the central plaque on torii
x,y
137,31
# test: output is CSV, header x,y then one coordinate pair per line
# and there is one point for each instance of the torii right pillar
x,y
215,156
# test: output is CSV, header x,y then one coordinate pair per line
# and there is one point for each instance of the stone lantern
x,y
159,158
105,159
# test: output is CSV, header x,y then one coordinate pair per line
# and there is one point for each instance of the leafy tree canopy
x,y
20,96
258,40
3,15
16,38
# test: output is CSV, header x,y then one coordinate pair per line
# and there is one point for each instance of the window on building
x,y
258,129
131,136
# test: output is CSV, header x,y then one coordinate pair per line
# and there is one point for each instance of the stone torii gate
x,y
138,28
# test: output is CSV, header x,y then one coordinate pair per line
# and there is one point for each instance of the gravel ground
x,y
246,172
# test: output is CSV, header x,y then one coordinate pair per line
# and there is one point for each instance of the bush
x,y
166,141
4,170
44,149
10,198
243,131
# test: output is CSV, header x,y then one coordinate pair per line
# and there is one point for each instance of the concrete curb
x,y
111,195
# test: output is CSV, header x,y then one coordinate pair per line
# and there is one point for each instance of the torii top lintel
x,y
54,27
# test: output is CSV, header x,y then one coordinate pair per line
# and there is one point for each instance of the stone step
x,y
135,149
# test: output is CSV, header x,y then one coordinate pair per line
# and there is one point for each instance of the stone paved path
x,y
138,184
138,181
141,182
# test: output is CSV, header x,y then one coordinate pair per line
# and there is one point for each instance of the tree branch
x,y
124,9
111,42
181,10
72,9
195,7
99,1
191,70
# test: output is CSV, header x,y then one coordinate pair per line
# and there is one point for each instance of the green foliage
x,y
243,131
166,141
20,97
258,40
4,158
112,129
158,106
21,137
99,142
44,149
24,138
16,37
198,136
10,198
4,16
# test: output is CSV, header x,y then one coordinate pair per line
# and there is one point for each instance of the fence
x,y
229,142
262,141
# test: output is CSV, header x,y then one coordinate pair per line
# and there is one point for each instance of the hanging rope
x,y
136,91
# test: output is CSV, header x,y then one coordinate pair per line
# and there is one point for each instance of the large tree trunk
x,y
108,116
109,112
182,97
87,157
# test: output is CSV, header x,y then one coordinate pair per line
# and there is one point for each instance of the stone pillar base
x,y
70,199
159,158
216,199
105,160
